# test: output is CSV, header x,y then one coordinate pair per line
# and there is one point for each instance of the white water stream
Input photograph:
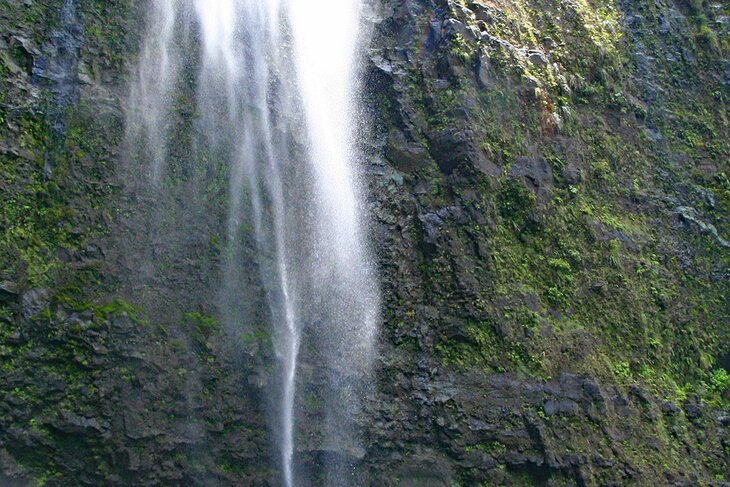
x,y
276,92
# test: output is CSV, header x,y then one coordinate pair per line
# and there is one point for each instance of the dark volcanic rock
x,y
34,301
537,174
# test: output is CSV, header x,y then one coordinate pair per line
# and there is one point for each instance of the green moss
x,y
622,371
461,49
204,325
118,307
487,349
515,202
109,30
257,336
719,385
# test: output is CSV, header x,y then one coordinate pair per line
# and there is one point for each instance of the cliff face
x,y
549,203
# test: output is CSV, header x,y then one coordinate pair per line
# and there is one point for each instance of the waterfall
x,y
154,82
276,96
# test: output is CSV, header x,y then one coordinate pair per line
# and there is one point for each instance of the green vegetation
x,y
204,325
608,293
515,202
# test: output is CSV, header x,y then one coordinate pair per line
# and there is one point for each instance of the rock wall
x,y
549,201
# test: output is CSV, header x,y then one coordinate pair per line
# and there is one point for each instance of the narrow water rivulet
x,y
276,94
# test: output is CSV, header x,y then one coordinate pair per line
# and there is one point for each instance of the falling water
x,y
150,94
276,96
